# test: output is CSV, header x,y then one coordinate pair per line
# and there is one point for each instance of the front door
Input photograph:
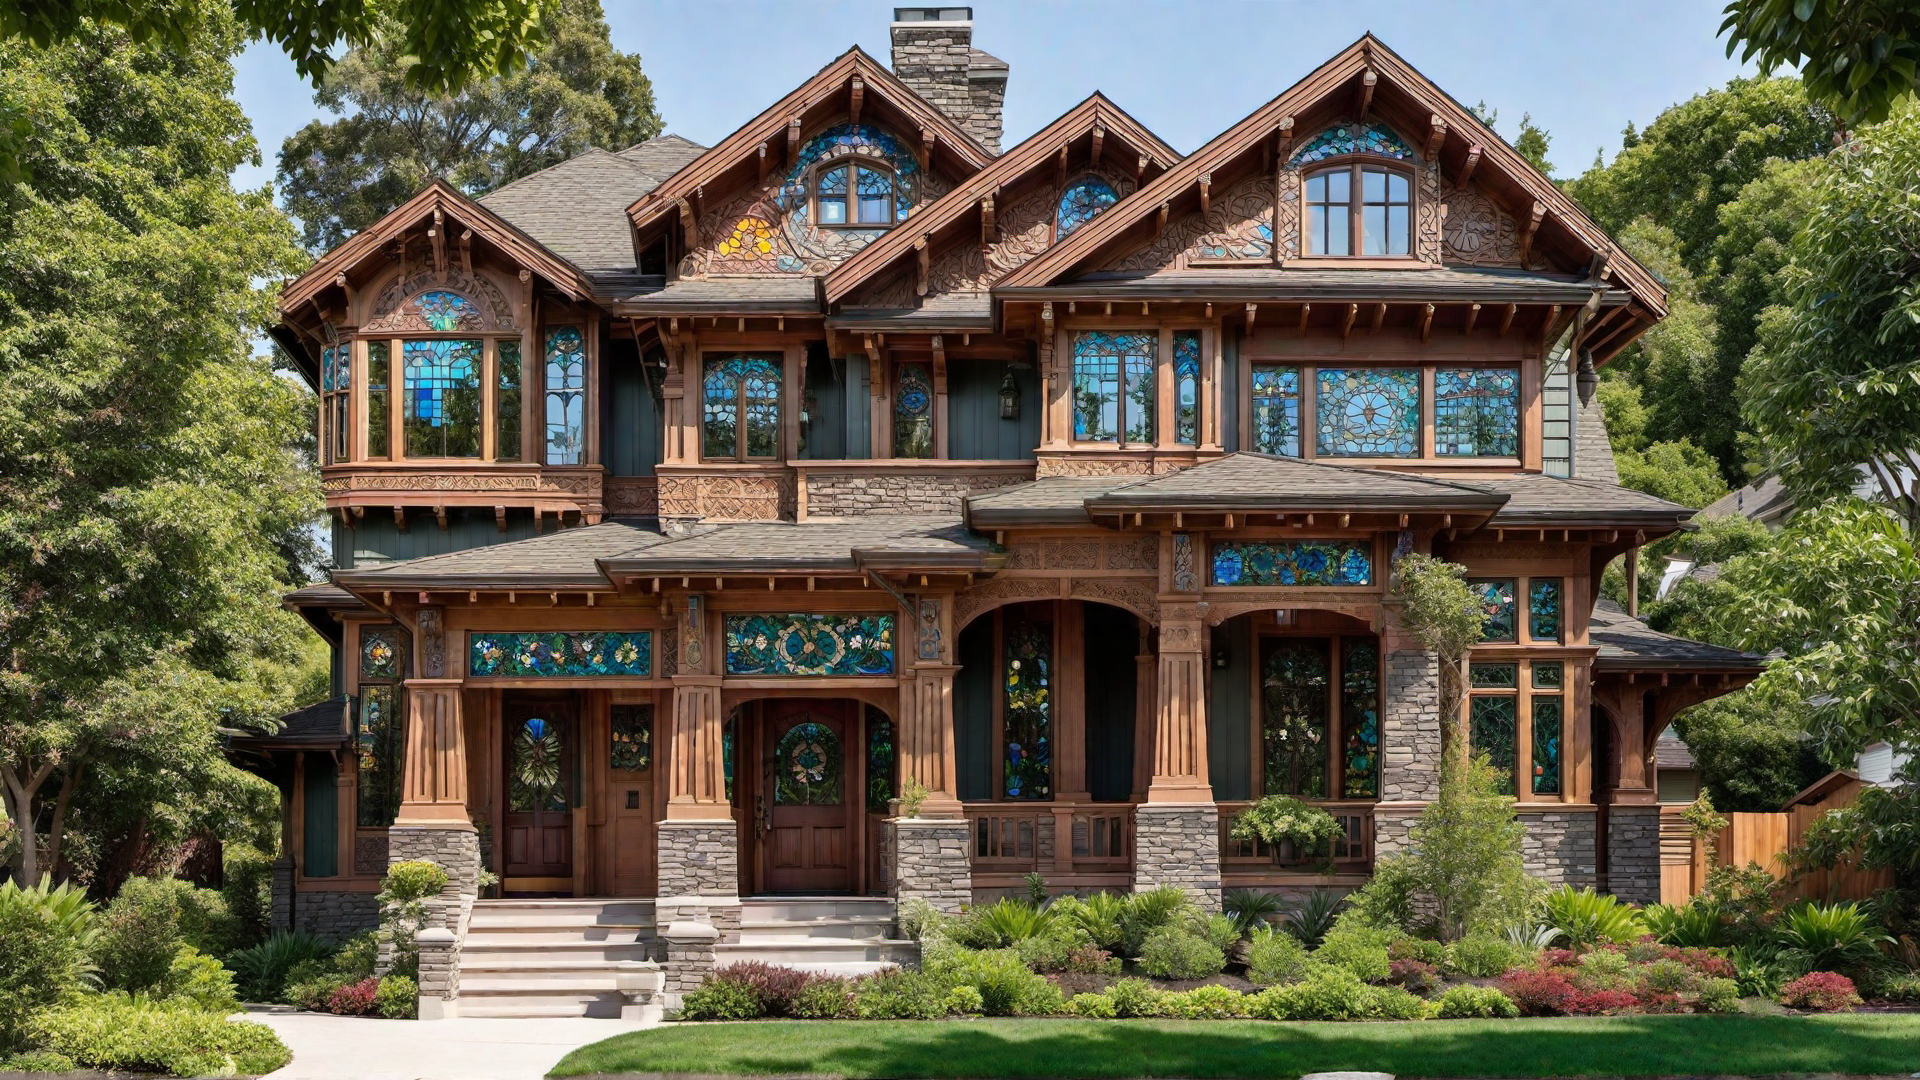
x,y
811,807
539,733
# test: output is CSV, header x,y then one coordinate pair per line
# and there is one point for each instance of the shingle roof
x,y
1482,284
578,208
1627,644
1269,482
319,725
1592,449
1763,501
785,294
1537,499
1670,751
565,559
956,311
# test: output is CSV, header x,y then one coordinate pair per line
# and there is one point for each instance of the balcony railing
x,y
1024,838
1350,852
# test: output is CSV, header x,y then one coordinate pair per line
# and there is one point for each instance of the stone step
x,y
545,965
798,951
808,908
857,927
570,923
597,981
514,1005
571,949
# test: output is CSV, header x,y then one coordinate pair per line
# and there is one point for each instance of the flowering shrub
x,y
358,998
1824,991
1416,977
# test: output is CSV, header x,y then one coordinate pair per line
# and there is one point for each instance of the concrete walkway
x,y
327,1047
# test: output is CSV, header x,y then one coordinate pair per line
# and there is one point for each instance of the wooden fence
x,y
1756,838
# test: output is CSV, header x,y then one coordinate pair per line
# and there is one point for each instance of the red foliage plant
x,y
775,986
1601,1003
355,999
1559,958
1823,991
1539,992
1416,977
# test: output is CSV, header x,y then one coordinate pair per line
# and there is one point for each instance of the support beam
x,y
1436,135
1426,322
1305,311
1534,217
1206,190
1379,316
1473,316
1346,325
1473,162
1368,80
1506,318
1099,138
856,95
986,221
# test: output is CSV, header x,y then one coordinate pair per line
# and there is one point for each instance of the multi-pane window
x,y
1379,222
441,388
380,727
1113,386
1383,412
506,403
1276,410
1516,716
566,393
740,408
912,412
1319,701
630,745
1367,412
1500,615
1476,412
336,386
1082,201
379,372
854,194
1186,386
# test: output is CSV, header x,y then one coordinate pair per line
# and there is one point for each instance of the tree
x,y
1678,472
1441,612
1752,747
1532,144
393,136
1859,57
154,500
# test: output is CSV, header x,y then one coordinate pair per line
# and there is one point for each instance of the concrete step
x,y
555,951
517,1005
543,965
510,935
798,951
808,908
866,927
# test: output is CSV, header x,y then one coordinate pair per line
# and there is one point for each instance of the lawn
x,y
1597,1046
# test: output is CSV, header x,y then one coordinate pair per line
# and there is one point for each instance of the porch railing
x,y
1051,838
1350,852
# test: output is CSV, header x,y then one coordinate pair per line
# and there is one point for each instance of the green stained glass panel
x,y
380,743
447,312
1547,728
1493,730
809,644
1476,412
1360,718
1293,719
1113,386
1276,410
1543,609
1498,622
567,655
1028,709
1367,412
807,766
880,762
536,768
1343,139
1493,676
912,412
566,391
1549,674
632,738
1292,562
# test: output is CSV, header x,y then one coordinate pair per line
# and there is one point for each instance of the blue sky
x,y
1186,70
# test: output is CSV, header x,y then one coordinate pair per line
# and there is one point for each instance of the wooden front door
x,y
811,802
540,733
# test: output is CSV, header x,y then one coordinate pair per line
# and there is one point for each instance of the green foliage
x,y
827,999
1037,892
1859,57
1205,1003
198,978
1838,937
1678,472
150,921
38,1061
1134,998
246,885
1275,956
1006,986
966,1001
722,999
260,971
1752,746
1467,853
1092,1006
1220,931
397,998
1584,917
1149,911
403,897
1002,923
1358,947
1278,818
1755,972
1443,615
392,137
121,1033
1696,924
1532,143
1330,993
45,934
1172,953
1310,915
1098,916
1719,996
1251,909
1485,957
415,879
1469,1002
1387,897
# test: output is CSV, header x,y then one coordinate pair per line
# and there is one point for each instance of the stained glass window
x,y
443,397
871,147
1292,562
449,312
1293,718
1543,609
536,772
1476,412
1546,745
336,378
1360,718
1343,139
876,196
1367,412
559,654
1496,610
741,408
566,396
380,742
506,403
880,762
1549,674
1028,709
809,644
727,729
1493,730
382,655
912,412
1493,676
1276,410
807,766
379,371
1084,200
1186,386
1113,386
631,748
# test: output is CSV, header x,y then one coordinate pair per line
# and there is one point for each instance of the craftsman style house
x,y
856,508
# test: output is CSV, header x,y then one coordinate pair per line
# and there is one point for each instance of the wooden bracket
x,y
939,346
1601,266
1252,311
438,235
1368,79
1506,318
440,516
1206,190
1426,322
1379,316
928,139
1473,316
1546,327
1060,167
466,252
400,518
921,261
1534,217
1139,172
1306,311
1160,222
1473,162
873,352
500,518
793,139
856,94
1346,326
1099,137
689,225
766,161
1436,136
1284,146
986,221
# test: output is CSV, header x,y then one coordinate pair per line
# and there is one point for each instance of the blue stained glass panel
x,y
558,654
1343,139
741,392
1292,562
1105,406
1547,724
1084,200
1360,718
809,644
1028,710
1476,412
1493,730
1498,622
566,396
442,397
1186,386
449,312
864,141
1543,609
1276,410
1367,412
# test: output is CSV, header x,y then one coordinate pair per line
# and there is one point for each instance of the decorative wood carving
x,y
1138,553
1138,595
1184,579
370,854
1486,552
1478,232
999,592
667,652
693,622
1430,217
433,642
1237,225
568,483
633,496
395,312
929,615
725,497
1070,555
1217,612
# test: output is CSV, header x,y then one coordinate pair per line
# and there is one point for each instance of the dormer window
x,y
854,193
1359,209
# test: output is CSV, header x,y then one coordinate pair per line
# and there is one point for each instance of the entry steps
x,y
832,935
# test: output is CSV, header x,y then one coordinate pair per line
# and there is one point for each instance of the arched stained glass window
x,y
566,396
1082,201
912,412
442,397
807,766
1186,386
1294,684
1028,708
449,312
740,408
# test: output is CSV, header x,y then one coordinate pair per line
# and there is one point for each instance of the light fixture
x,y
1009,397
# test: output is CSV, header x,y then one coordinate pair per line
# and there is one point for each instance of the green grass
x,y
1597,1046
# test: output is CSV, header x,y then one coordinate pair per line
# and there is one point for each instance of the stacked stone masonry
x,y
1410,728
457,851
335,916
1560,847
931,862
1178,845
939,62
852,494
699,858
1633,853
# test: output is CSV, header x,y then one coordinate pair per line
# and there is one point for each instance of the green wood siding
x,y
1230,714
322,828
859,420
1112,642
826,427
975,430
631,418
1230,391
973,690
378,539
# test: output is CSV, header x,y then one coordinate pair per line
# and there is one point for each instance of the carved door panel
x,y
630,789
811,808
540,749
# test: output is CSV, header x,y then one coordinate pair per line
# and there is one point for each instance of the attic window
x,y
1359,209
853,194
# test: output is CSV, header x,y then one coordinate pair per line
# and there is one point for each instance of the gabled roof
x,y
578,208
1037,152
1627,644
1266,482
1319,94
880,87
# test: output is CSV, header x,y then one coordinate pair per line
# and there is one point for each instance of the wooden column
x,y
1166,411
1180,725
1629,764
1212,374
926,737
696,777
940,437
1056,373
434,785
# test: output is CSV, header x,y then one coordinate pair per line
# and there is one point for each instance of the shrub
x,y
1822,991
260,971
1098,916
33,1061
396,998
719,999
1815,938
1719,996
1220,931
1327,993
1394,1003
1251,909
774,986
1357,947
44,937
145,925
1471,1002
1601,1003
1413,976
1585,917
1756,974
1006,987
1538,992
1387,897
1001,924
1603,970
1430,953
246,886
1669,977
1485,957
1091,1006
117,1032
403,897
966,1001
1205,1003
1134,998
358,954
1147,912
1699,924
354,998
1093,960
201,979
1283,819
900,995
1177,954
1311,916
313,992
825,998
917,918
1901,986
1052,950
1275,956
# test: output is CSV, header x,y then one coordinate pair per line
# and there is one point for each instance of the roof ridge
x,y
588,152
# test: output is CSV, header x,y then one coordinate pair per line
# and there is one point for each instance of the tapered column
x,y
1146,706
926,737
696,777
434,785
1180,708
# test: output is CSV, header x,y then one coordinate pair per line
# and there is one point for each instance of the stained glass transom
x,y
1113,386
1360,718
565,655
1292,562
1028,709
536,773
1276,410
336,368
807,766
449,312
1342,139
880,762
1476,412
1549,674
1496,610
1367,412
566,396
1493,731
1293,719
864,141
443,397
1186,386
1493,676
381,653
380,742
912,412
1084,200
1543,609
631,747
1547,725
741,408
809,644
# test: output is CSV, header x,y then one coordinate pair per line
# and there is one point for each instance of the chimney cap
x,y
933,14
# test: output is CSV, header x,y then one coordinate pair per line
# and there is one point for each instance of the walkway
x,y
327,1047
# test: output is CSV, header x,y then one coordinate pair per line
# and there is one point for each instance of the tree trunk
x,y
58,831
20,797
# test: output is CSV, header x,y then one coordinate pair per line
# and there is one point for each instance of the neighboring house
x,y
1676,774
689,503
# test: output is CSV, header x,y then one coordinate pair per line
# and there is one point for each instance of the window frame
x,y
1525,693
1306,399
1356,165
740,454
395,396
853,163
1337,642
395,685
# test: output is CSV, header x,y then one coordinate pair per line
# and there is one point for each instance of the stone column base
x,y
281,912
1178,844
699,858
1561,847
1633,853
931,862
1393,828
455,849
690,959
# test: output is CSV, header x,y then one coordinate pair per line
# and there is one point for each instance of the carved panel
x,y
1238,226
433,643
1483,551
1000,591
1217,612
568,483
929,619
1071,555
693,625
1184,579
633,496
1427,213
370,854
394,310
1478,232
1092,466
1138,595
1022,557
669,651
726,497
1138,553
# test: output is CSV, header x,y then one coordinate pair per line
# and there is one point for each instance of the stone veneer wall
x,y
333,915
1410,728
938,60
1633,853
1178,845
843,494
457,851
930,861
698,903
699,858
1562,847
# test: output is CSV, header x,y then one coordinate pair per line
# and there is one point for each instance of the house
x,y
856,509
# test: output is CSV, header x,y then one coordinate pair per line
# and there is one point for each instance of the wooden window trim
x,y
396,396
782,451
1336,720
1522,652
853,163
1309,369
1355,165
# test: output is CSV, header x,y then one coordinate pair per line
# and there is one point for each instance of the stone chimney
x,y
933,53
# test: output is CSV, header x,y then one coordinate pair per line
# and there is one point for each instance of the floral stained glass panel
x,y
1547,725
1359,718
809,644
442,397
1498,622
1293,719
1367,412
1476,412
807,766
1028,709
631,748
563,655
1292,562
1543,609
1113,386
880,762
1493,676
1276,410
536,768
1186,386
449,312
1493,730
566,396
1084,200
382,655
380,742
1549,674
912,412
1343,139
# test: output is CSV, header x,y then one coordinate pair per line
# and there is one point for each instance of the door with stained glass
x,y
808,799
539,734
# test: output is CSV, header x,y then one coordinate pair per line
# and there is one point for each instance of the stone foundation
x,y
930,861
335,915
698,903
1561,847
457,851
1410,728
1633,853
280,911
842,494
1178,845
699,858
